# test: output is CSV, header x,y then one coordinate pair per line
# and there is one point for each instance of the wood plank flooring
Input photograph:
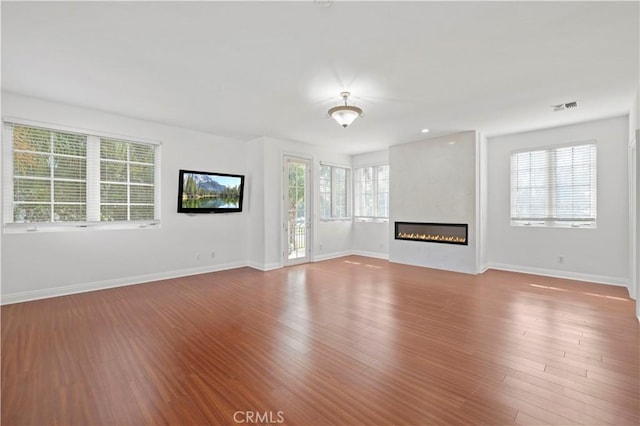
x,y
350,341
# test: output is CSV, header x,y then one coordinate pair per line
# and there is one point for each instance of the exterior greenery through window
x,y
372,193
554,186
49,175
334,183
126,180
62,177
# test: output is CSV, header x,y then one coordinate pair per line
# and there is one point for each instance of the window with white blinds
x,y
53,176
334,195
372,193
127,185
49,176
554,186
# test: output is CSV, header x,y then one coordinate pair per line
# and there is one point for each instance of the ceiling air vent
x,y
562,107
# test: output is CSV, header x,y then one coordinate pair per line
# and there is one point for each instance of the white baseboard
x,y
27,296
264,267
600,279
482,269
321,257
420,265
373,254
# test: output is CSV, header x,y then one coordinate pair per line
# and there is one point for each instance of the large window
x,y
334,196
49,176
73,178
372,193
126,180
554,186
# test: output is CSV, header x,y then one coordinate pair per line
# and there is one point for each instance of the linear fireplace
x,y
447,233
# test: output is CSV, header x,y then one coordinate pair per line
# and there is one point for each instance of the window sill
x,y
24,228
552,224
335,219
371,220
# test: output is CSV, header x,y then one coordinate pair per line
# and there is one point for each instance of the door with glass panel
x,y
297,227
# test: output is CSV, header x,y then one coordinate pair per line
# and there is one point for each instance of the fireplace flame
x,y
429,237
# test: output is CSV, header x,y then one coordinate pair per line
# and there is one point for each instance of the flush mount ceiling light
x,y
345,114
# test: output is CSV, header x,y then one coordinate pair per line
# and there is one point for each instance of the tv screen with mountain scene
x,y
206,192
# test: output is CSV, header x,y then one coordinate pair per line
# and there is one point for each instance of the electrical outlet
x,y
213,254
560,259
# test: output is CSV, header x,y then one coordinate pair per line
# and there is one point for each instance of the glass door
x,y
296,201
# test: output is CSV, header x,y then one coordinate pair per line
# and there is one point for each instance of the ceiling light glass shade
x,y
345,114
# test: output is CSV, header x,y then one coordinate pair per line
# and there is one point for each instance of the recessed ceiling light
x,y
425,130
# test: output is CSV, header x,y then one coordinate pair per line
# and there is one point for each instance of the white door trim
x,y
308,217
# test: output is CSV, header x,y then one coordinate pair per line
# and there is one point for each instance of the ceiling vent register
x,y
562,107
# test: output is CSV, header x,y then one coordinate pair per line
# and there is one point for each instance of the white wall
x,y
600,254
1,186
483,203
435,181
40,264
637,221
330,239
371,238
634,199
43,264
256,245
431,181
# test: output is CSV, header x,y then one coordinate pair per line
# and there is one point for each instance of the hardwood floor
x,y
347,341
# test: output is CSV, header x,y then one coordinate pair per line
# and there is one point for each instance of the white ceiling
x,y
248,69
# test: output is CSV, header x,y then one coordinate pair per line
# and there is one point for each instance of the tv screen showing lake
x,y
210,191
205,203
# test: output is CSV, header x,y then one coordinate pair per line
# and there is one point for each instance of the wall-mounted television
x,y
207,192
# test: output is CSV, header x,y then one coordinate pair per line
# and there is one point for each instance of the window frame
x,y
49,177
551,204
129,184
374,193
92,177
333,190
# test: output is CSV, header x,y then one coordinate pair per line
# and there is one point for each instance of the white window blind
x,y
49,175
554,186
334,192
126,180
372,193
52,176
